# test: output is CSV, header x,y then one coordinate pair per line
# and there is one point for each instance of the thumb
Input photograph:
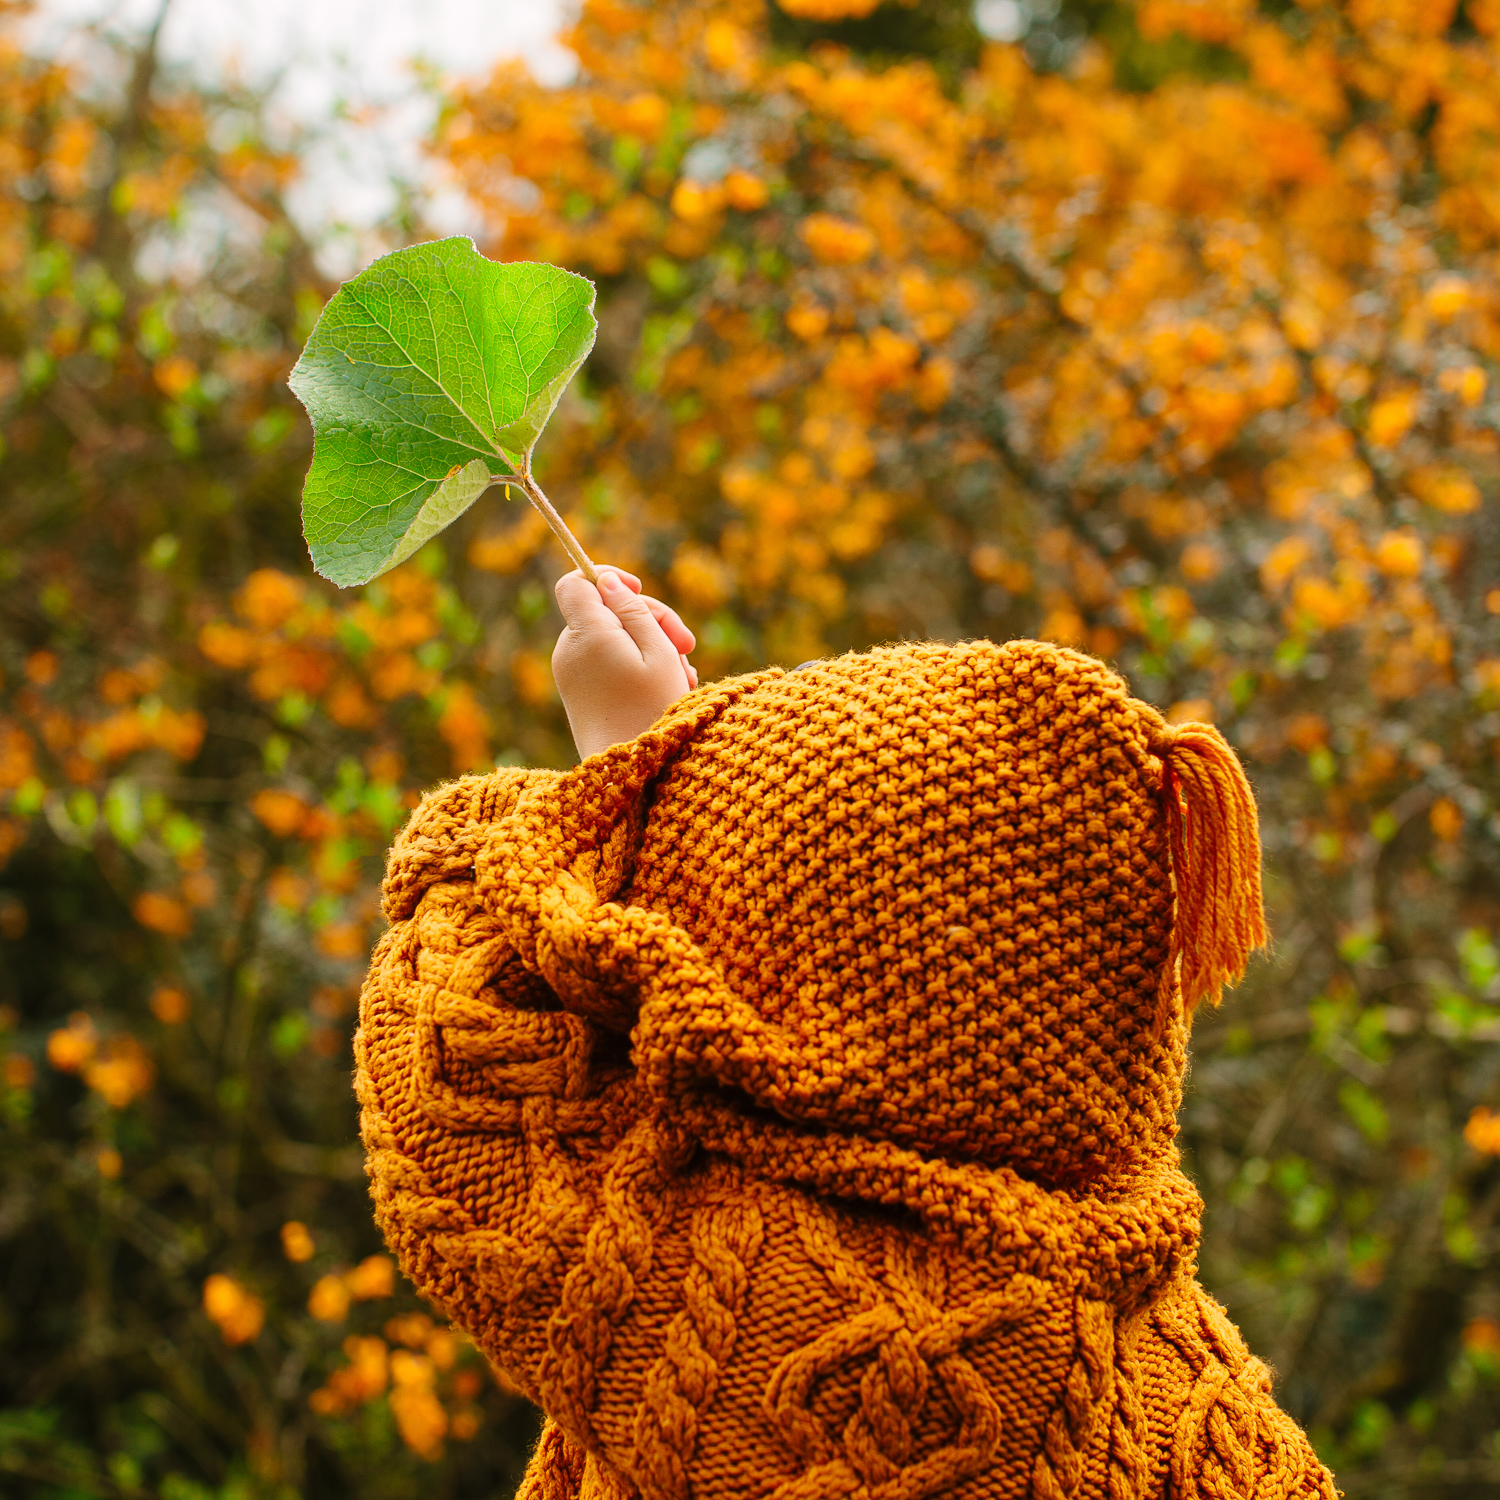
x,y
582,608
635,615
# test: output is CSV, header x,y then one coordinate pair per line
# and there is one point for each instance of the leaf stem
x,y
571,544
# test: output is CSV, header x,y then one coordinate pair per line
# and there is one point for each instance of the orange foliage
x,y
373,1278
329,1299
41,668
120,1071
745,191
829,10
511,550
17,759
465,726
134,729
297,1242
238,1315
344,940
268,598
1445,488
533,677
361,1380
1483,1131
1146,347
210,751
420,1417
162,913
836,241
176,375
283,812
1399,554
71,1048
1447,819
227,645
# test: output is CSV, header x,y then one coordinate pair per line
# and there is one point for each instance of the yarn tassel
x,y
1214,840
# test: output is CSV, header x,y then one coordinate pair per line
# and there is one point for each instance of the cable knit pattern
x,y
725,1241
1084,1404
1230,1442
1128,1468
786,1099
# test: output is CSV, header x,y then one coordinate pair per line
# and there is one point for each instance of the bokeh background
x,y
1168,330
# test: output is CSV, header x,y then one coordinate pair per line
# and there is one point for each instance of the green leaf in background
x,y
428,377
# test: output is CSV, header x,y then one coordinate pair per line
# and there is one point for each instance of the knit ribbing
x,y
786,1099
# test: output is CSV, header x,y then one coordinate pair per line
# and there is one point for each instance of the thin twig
x,y
559,527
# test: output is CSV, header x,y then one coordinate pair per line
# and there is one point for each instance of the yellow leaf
x,y
1447,819
269,598
296,1242
163,914
1447,297
72,1046
1398,554
697,201
745,191
1201,562
329,1299
238,1315
828,10
283,812
532,676
1483,1134
1445,488
808,320
1391,418
836,241
373,1278
1467,382
120,1072
175,375
1285,559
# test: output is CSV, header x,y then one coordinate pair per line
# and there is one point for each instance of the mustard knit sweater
x,y
786,1100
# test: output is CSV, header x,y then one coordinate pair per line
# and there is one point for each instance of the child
x,y
784,1098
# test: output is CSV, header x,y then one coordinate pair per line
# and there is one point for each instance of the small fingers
x,y
630,578
634,614
617,606
581,604
671,623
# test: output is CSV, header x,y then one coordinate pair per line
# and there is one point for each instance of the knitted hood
x,y
785,1100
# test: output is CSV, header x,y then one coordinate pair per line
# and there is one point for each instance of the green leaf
x,y
429,376
1367,1112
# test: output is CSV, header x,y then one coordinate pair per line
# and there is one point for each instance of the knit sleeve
x,y
560,1470
1212,1422
483,1104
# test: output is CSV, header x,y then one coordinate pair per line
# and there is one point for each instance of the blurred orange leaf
x,y
373,1278
283,812
162,913
238,1315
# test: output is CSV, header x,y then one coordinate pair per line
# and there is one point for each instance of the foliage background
x,y
1170,331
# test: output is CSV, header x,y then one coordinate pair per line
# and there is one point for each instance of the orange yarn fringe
x,y
1214,837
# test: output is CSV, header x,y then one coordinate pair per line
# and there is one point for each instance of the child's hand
x,y
620,662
